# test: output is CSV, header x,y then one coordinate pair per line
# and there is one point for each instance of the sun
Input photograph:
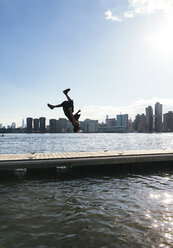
x,y
160,40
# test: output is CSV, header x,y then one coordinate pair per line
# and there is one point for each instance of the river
x,y
119,210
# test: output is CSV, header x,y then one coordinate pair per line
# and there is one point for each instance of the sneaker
x,y
50,106
66,91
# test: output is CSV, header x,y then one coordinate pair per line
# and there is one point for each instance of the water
x,y
50,143
99,211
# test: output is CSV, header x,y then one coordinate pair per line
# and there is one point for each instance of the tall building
x,y
122,120
42,124
23,123
69,127
53,123
36,125
109,126
13,125
158,117
110,122
89,126
140,123
168,122
149,119
29,124
62,125
0,125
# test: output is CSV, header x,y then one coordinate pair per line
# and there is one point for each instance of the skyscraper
x,y
158,117
62,125
42,124
168,122
13,125
53,125
29,124
89,126
23,123
149,119
111,122
36,125
122,120
140,123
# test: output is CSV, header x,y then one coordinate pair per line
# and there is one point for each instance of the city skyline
x,y
155,124
112,54
93,112
154,120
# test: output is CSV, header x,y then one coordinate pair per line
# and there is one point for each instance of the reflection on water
x,y
103,211
162,221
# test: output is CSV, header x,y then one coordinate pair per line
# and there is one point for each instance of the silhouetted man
x,y
68,108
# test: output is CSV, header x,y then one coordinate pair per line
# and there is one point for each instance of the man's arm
x,y
78,112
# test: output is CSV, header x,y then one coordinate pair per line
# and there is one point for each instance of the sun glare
x,y
160,40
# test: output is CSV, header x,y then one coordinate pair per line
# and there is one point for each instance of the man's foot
x,y
66,91
50,106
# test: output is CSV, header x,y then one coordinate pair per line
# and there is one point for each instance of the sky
x,y
115,55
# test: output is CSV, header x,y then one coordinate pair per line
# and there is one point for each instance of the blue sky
x,y
115,55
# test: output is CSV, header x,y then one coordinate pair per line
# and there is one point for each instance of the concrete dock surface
x,y
81,159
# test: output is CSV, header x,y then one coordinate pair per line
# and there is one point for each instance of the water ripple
x,y
119,211
90,212
52,143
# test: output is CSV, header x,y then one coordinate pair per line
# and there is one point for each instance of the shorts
x,y
66,105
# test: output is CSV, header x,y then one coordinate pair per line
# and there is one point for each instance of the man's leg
x,y
54,106
66,94
74,121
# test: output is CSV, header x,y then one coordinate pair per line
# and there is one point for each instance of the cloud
x,y
109,16
129,14
148,7
144,7
138,107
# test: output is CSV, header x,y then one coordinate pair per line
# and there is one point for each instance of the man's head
x,y
76,128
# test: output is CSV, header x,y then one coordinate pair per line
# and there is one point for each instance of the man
x,y
68,111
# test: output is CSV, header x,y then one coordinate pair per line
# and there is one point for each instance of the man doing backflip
x,y
68,111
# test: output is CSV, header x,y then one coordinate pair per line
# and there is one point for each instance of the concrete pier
x,y
86,159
